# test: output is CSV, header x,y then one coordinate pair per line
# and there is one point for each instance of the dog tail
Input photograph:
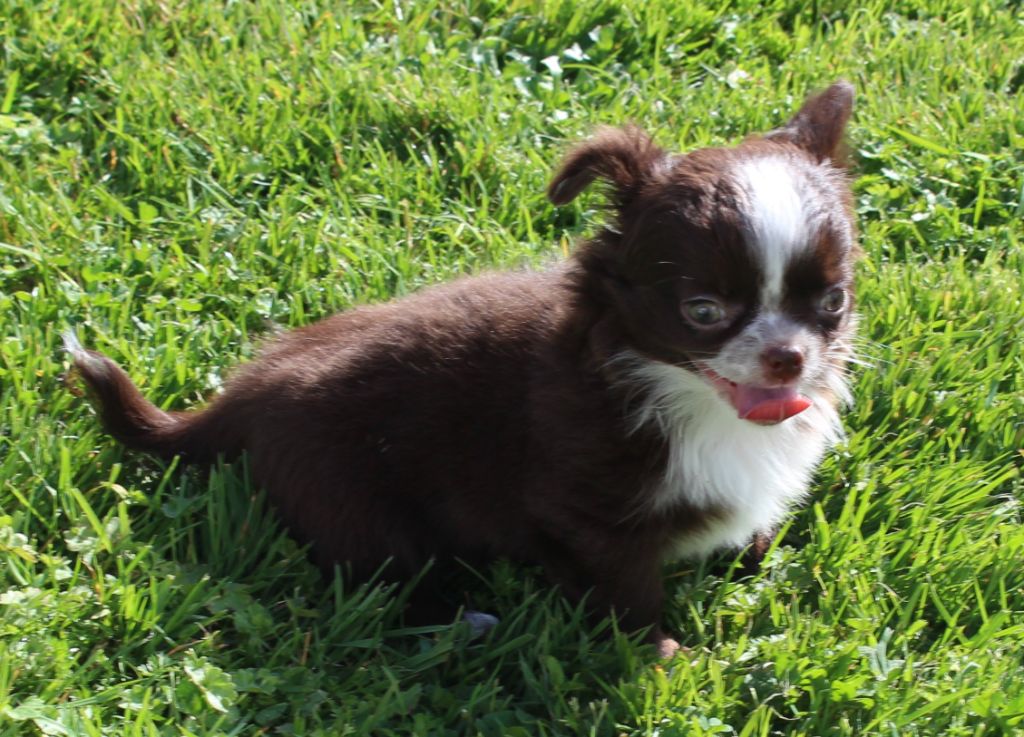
x,y
135,421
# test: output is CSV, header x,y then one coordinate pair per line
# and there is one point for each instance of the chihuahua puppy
x,y
666,392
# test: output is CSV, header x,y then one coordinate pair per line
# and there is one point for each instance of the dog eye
x,y
833,301
703,312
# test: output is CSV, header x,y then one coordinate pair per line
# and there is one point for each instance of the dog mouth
x,y
759,404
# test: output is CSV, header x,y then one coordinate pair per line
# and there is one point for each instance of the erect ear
x,y
818,127
625,157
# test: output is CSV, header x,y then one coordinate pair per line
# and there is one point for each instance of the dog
x,y
667,391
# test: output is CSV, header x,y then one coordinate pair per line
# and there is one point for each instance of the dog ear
x,y
624,157
818,127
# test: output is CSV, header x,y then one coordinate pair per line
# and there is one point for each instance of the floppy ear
x,y
624,157
818,127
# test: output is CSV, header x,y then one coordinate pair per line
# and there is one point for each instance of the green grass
x,y
177,178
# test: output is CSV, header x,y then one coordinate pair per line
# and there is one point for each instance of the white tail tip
x,y
72,345
81,356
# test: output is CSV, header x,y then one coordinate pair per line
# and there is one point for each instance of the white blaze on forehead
x,y
783,211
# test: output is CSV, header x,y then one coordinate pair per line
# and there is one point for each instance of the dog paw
x,y
667,647
480,623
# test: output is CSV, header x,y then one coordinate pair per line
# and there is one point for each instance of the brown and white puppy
x,y
668,391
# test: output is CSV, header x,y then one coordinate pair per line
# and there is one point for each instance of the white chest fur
x,y
751,474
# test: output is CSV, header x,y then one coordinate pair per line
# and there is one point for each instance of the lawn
x,y
178,179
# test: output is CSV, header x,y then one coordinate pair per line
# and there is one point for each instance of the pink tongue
x,y
767,405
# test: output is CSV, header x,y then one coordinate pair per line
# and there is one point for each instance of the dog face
x,y
734,264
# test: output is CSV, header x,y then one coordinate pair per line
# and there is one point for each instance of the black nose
x,y
782,362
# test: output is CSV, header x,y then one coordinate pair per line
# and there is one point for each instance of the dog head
x,y
735,264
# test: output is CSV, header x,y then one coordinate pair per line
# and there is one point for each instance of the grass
x,y
176,178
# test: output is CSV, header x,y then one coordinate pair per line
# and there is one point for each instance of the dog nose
x,y
782,362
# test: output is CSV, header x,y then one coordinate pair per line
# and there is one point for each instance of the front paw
x,y
666,646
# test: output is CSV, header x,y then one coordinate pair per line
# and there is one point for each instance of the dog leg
x,y
628,586
753,556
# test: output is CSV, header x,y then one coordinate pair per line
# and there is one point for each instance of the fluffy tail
x,y
138,423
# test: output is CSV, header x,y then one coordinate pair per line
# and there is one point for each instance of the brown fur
x,y
487,417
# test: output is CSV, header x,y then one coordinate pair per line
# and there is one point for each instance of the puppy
x,y
666,392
